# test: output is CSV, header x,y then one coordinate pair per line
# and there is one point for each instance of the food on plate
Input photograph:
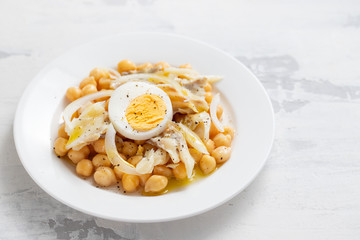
x,y
146,128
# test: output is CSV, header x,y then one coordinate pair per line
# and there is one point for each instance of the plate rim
x,y
36,79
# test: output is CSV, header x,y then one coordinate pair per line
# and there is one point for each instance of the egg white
x,y
121,99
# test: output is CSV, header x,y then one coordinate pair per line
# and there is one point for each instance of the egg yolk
x,y
145,112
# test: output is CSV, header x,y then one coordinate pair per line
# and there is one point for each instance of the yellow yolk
x,y
145,112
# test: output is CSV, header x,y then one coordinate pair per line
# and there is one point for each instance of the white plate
x,y
38,113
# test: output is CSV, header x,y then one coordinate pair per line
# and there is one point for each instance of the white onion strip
x,y
183,149
213,108
75,105
151,77
192,138
113,154
213,79
182,71
186,157
113,73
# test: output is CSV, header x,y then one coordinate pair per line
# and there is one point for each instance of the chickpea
x,y
61,132
85,149
180,171
104,83
88,89
163,171
88,80
219,111
73,93
139,142
99,145
104,176
76,156
221,154
207,164
119,174
126,66
119,147
129,148
195,154
162,65
208,87
134,160
222,140
210,145
144,67
59,146
92,151
208,97
119,143
143,178
130,182
101,160
229,131
186,65
99,73
156,183
84,168
213,130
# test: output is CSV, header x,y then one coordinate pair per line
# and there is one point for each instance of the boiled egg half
x,y
139,110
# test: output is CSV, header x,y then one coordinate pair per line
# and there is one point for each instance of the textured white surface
x,y
306,54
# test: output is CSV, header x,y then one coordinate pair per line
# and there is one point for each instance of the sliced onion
x,y
213,78
113,154
113,73
151,77
131,77
181,71
75,105
193,139
183,149
213,107
186,157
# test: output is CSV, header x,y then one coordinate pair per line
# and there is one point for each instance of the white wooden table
x,y
307,55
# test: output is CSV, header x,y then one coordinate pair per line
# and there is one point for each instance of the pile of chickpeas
x,y
91,160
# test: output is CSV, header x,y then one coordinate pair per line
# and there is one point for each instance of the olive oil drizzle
x,y
177,185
